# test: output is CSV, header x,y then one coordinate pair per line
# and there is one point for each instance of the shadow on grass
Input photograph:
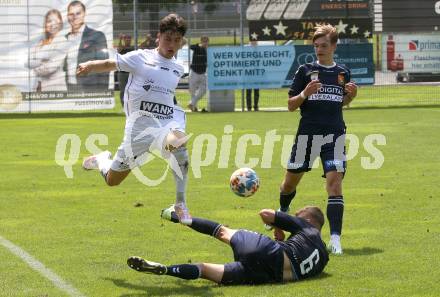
x,y
323,275
58,115
184,288
365,251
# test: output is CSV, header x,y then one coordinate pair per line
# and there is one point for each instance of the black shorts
x,y
307,148
258,260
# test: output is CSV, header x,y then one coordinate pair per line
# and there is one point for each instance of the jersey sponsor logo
x,y
413,45
157,108
295,165
164,68
177,73
150,86
330,163
154,115
326,97
328,89
341,78
314,75
338,164
329,93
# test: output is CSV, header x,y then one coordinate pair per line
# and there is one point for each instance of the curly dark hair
x,y
174,23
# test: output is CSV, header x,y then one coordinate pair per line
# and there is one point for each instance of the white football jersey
x,y
151,84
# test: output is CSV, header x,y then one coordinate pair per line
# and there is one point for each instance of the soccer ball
x,y
244,182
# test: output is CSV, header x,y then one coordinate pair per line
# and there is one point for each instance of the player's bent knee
x,y
225,234
175,139
267,215
334,187
114,178
222,233
112,182
202,268
264,213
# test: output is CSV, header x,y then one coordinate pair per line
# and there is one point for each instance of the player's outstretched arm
x,y
96,66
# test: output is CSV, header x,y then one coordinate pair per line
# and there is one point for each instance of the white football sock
x,y
104,165
181,155
335,238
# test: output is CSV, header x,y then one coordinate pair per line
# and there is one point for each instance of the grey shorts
x,y
144,135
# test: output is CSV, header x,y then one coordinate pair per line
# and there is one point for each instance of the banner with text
x,y
357,57
248,67
304,29
297,19
43,41
307,9
269,67
411,52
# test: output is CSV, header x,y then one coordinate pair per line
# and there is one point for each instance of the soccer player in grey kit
x,y
320,89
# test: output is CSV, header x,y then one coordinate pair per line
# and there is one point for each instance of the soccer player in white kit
x,y
153,121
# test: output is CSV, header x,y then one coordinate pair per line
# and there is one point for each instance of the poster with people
x,y
44,41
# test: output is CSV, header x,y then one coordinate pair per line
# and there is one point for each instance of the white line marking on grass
x,y
39,267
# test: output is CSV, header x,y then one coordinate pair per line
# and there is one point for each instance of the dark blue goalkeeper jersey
x,y
321,112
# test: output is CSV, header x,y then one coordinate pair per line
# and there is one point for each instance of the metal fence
x,y
399,78
402,38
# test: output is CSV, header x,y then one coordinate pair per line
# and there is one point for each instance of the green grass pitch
x,y
83,230
368,97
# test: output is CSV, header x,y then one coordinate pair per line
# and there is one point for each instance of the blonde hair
x,y
326,30
46,18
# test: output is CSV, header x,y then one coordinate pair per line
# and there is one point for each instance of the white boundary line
x,y
39,267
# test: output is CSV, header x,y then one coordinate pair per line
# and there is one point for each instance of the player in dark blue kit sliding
x,y
320,89
258,259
